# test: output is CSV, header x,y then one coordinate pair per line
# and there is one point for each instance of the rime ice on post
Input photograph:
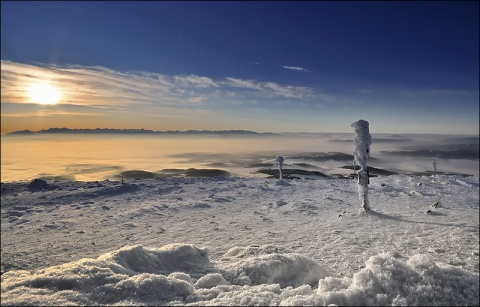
x,y
280,160
434,166
361,152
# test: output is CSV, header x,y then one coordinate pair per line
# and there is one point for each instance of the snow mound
x,y
137,275
283,269
388,281
117,190
269,264
211,280
88,282
37,185
164,260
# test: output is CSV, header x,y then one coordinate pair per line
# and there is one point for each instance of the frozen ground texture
x,y
241,241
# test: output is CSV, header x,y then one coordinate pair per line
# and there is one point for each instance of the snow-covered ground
x,y
241,241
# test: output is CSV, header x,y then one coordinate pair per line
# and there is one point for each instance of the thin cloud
x,y
249,84
287,91
295,68
197,100
202,82
271,89
102,88
95,85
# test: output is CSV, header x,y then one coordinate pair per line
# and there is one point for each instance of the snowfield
x,y
241,241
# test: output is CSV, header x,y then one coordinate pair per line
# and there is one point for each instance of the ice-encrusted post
x,y
361,153
280,160
434,166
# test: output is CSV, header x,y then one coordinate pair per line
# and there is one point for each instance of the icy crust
x,y
183,274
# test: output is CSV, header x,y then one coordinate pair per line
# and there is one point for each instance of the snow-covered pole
x,y
434,166
280,160
361,153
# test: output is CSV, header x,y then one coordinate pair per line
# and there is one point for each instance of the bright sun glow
x,y
44,93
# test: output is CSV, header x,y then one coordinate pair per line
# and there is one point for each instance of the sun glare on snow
x,y
44,93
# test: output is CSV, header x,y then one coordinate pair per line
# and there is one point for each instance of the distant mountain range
x,y
129,131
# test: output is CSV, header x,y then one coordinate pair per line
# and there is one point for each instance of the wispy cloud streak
x,y
194,80
295,68
271,89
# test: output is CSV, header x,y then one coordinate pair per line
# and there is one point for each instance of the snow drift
x,y
184,274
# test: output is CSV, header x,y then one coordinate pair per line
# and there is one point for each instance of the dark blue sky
x,y
335,48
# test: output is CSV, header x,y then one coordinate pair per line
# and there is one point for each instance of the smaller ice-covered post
x,y
280,160
361,153
434,166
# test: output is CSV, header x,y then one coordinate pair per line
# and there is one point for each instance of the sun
x,y
44,93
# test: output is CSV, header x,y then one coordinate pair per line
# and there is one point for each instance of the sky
x,y
268,66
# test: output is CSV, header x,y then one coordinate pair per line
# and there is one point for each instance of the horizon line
x,y
232,131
